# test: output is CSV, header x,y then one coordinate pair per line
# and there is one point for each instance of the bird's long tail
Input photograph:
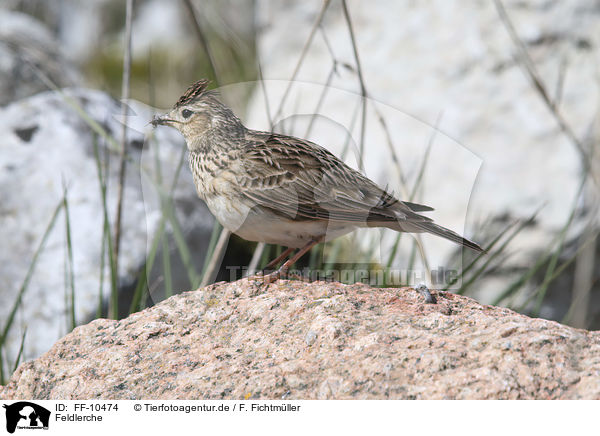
x,y
446,233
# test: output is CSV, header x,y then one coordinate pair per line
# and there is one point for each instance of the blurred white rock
x,y
29,54
46,149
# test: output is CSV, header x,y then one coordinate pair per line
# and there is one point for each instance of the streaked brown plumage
x,y
280,189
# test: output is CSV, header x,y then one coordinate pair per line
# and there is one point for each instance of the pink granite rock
x,y
297,340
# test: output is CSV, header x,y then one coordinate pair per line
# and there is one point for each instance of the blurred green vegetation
x,y
159,78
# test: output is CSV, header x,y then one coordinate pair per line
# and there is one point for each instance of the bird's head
x,y
198,113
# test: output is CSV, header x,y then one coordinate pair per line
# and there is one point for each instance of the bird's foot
x,y
271,277
424,291
262,278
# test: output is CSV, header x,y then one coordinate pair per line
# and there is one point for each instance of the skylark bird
x,y
280,189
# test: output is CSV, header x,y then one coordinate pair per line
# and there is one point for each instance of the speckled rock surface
x,y
296,340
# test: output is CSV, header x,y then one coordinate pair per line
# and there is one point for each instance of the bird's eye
x,y
186,113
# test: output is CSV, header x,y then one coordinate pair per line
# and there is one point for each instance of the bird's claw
x,y
262,279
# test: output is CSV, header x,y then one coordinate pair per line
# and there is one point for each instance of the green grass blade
x,y
265,258
493,255
102,265
20,354
541,290
519,282
548,278
421,173
114,297
71,273
547,257
29,274
474,262
167,266
334,252
560,269
183,249
490,258
413,256
394,251
2,381
166,257
316,257
214,237
278,251
142,282
168,211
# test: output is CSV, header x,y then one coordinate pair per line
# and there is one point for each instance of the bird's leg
x,y
259,275
270,278
279,258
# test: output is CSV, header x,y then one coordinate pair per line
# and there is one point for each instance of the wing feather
x,y
303,181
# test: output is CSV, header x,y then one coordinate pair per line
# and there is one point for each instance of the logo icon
x,y
26,415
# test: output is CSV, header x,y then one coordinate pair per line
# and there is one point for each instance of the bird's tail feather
x,y
446,233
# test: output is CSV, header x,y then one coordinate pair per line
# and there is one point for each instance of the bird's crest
x,y
193,92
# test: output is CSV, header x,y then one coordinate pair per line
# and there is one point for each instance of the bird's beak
x,y
163,120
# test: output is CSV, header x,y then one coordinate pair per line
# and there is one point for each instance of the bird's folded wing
x,y
303,181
